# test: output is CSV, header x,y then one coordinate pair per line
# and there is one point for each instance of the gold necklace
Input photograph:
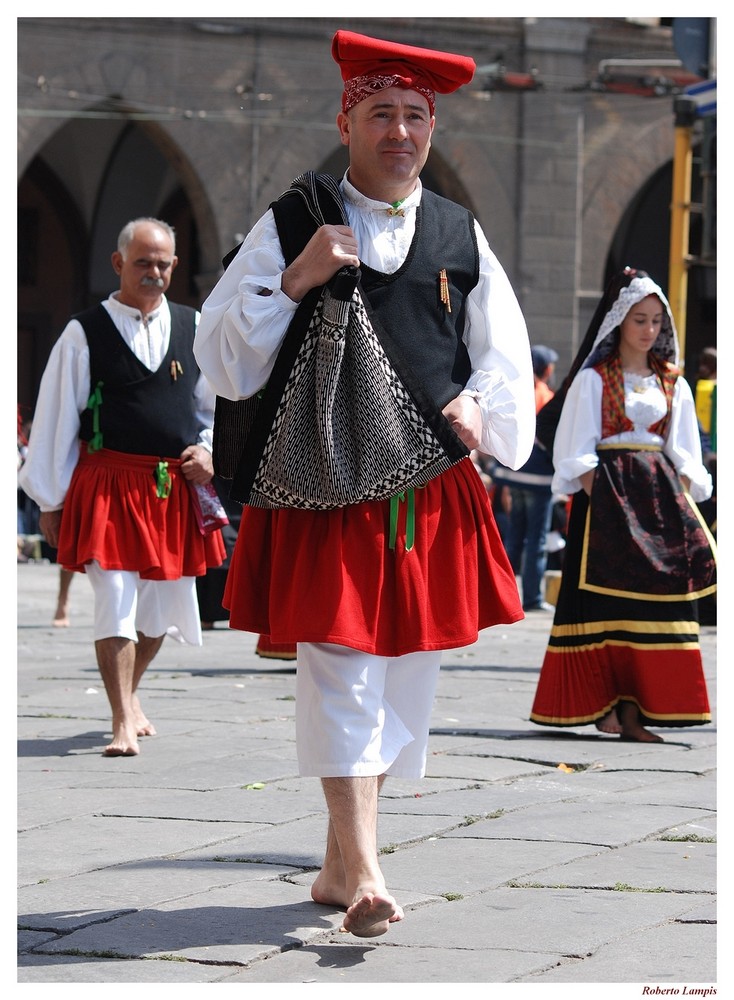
x,y
639,386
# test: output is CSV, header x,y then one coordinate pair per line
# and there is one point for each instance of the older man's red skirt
x,y
113,515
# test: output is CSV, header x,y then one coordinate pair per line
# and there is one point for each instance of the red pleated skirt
x,y
113,515
332,576
583,677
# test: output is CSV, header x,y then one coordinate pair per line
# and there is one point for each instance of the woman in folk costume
x,y
623,652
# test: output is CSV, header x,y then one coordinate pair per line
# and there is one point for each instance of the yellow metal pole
x,y
680,219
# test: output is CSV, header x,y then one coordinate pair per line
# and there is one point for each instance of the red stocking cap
x,y
368,65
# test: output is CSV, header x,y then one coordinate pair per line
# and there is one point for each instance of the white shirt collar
x,y
132,311
359,200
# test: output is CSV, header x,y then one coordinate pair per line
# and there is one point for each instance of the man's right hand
x,y
328,250
50,522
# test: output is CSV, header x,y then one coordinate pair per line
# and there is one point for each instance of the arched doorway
x,y
88,180
643,240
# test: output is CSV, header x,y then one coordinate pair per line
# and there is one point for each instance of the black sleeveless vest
x,y
142,412
408,306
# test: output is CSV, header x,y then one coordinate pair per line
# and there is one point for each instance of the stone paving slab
x,y
81,845
99,895
604,823
673,952
228,925
347,964
673,867
78,969
562,921
430,866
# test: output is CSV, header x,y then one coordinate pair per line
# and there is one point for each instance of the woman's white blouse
x,y
579,430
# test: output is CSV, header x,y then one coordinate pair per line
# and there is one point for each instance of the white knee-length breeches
x,y
359,714
125,605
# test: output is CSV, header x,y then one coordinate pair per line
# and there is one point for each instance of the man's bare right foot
x,y
120,750
124,742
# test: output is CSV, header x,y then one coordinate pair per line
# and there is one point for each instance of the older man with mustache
x,y
121,432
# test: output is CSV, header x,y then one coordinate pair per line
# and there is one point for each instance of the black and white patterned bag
x,y
336,423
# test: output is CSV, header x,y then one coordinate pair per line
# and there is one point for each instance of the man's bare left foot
x,y
371,915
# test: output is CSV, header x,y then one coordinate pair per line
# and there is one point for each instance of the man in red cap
x,y
373,591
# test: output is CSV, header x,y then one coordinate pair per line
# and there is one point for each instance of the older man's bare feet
x,y
609,723
371,915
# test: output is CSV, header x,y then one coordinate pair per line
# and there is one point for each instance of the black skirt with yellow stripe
x,y
637,559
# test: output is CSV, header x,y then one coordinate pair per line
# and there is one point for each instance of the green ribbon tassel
x,y
93,403
409,519
162,480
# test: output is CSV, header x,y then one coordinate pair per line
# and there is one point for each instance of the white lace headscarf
x,y
606,340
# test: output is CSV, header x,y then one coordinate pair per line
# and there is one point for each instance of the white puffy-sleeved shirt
x,y
241,329
579,430
53,450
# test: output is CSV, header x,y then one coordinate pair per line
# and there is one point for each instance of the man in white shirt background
x,y
122,426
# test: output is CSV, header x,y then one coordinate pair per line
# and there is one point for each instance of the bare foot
x,y
60,621
371,915
632,729
642,735
124,743
329,889
144,727
609,723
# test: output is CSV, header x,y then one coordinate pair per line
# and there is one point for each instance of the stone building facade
x,y
203,122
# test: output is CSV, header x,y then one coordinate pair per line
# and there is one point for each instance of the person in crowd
x,y
121,434
704,392
623,653
531,498
373,590
210,587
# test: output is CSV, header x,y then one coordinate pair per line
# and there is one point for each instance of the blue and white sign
x,y
704,96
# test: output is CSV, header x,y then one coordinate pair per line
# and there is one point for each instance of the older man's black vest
x,y
142,412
